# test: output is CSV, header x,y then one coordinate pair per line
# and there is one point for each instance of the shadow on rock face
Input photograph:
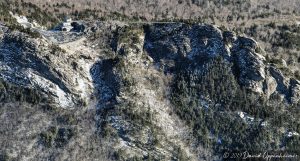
x,y
105,81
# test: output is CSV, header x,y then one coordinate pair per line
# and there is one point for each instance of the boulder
x,y
270,86
250,65
294,91
282,86
245,42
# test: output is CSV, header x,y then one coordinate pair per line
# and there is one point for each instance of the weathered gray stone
x,y
294,91
229,37
279,77
250,65
270,86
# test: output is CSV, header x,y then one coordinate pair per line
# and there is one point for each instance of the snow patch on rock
x,y
291,134
248,119
23,21
61,97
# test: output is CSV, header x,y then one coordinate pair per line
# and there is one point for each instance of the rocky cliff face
x,y
199,43
121,78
